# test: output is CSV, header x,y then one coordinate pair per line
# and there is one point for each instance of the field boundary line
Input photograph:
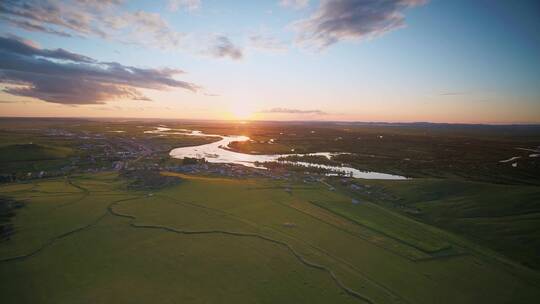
x,y
287,235
299,257
53,240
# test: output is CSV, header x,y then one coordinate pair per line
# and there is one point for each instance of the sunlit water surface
x,y
217,152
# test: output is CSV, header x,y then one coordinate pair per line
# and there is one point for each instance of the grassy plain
x,y
89,239
504,218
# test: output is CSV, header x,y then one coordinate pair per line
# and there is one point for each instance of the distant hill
x,y
32,152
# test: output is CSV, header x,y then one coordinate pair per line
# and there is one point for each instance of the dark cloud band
x,y
337,20
60,76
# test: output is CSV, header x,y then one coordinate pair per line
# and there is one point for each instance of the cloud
x,y
266,43
292,111
113,21
15,101
90,18
223,47
76,16
59,76
296,4
189,5
33,27
14,44
337,20
145,28
211,94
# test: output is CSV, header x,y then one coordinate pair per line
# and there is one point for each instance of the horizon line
x,y
281,121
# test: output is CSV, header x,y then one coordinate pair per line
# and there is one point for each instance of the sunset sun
x,y
242,112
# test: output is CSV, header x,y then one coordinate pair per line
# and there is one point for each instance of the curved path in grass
x,y
388,291
300,258
110,210
59,237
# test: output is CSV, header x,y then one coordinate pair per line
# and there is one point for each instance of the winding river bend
x,y
217,152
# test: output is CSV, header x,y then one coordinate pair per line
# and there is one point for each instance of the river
x,y
218,152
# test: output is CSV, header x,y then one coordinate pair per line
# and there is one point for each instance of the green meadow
x,y
88,239
505,218
22,157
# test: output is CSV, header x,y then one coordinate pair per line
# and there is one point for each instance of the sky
x,y
458,61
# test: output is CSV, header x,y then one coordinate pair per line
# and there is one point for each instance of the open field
x,y
502,217
89,239
31,152
97,211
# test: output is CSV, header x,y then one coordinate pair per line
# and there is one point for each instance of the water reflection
x,y
218,152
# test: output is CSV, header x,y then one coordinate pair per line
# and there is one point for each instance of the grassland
x,y
92,239
464,230
504,218
32,152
